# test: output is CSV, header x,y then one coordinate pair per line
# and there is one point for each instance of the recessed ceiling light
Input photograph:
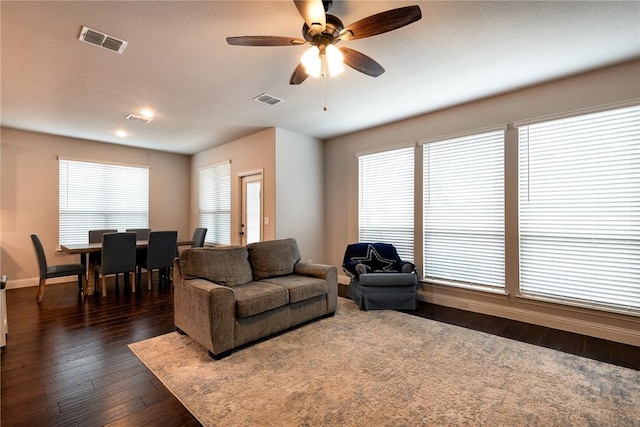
x,y
121,133
146,113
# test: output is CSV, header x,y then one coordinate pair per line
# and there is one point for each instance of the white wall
x,y
300,192
606,86
29,194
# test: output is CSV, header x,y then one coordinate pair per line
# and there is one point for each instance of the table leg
x,y
91,279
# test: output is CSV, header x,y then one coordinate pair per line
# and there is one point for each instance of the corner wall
x,y
292,189
300,192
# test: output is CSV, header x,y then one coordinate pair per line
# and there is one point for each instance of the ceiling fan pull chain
x,y
324,78
323,74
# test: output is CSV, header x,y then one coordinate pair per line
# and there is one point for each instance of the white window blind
x,y
463,215
100,196
215,202
580,209
385,202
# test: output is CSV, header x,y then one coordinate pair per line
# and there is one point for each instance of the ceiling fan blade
x,y
264,41
312,11
381,23
361,62
299,75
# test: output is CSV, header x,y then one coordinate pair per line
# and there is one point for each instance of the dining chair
x,y
161,251
197,240
198,237
118,256
141,254
141,233
60,270
95,236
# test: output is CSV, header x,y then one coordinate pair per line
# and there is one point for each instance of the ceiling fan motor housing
x,y
330,34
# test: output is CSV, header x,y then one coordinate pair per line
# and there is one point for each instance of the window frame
x,y
439,241
587,227
382,207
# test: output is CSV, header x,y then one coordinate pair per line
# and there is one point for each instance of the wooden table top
x,y
84,248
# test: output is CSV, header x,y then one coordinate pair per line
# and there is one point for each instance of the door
x,y
251,221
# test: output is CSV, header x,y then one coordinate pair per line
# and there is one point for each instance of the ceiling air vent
x,y
265,98
103,40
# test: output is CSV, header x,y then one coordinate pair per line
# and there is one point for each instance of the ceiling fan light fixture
x,y
335,60
312,61
318,61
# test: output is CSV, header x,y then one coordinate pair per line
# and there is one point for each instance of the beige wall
x,y
29,194
248,155
606,86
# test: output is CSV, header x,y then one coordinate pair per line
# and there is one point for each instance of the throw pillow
x,y
224,265
273,258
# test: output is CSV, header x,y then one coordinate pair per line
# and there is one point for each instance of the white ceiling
x,y
179,64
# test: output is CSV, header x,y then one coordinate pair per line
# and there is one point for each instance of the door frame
x,y
255,175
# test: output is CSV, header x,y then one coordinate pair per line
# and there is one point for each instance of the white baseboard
x,y
591,328
31,282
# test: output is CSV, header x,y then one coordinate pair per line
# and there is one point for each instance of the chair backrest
x,y
161,249
375,257
142,233
118,253
42,259
95,236
198,237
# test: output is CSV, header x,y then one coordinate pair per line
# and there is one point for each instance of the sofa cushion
x,y
224,265
273,258
258,297
300,287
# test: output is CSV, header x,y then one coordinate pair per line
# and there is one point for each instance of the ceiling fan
x,y
322,31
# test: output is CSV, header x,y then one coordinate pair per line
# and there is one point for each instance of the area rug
x,y
385,368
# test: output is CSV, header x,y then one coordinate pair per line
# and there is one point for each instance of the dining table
x,y
84,249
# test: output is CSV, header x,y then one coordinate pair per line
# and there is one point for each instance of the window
x,y
215,202
579,209
99,196
463,215
385,202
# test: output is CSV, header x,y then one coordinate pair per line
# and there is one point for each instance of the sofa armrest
x,y
205,311
321,271
325,272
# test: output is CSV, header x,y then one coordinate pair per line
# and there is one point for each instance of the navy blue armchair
x,y
379,278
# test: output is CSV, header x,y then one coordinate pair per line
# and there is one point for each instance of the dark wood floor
x,y
67,362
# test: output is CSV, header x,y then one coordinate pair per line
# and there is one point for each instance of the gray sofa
x,y
229,296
